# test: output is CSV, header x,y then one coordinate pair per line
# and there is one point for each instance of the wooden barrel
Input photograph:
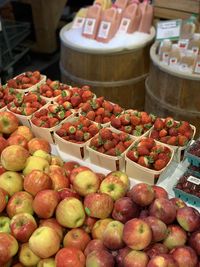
x,y
172,93
119,76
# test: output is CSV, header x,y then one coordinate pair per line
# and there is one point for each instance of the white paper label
x,y
193,180
173,61
184,67
197,67
124,25
169,29
78,23
165,57
104,29
183,44
195,50
89,26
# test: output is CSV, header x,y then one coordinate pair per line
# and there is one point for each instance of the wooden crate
x,y
174,9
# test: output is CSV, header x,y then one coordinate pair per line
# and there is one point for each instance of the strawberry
x,y
35,104
135,120
132,155
157,149
145,118
173,141
116,137
49,94
71,129
44,88
94,104
107,106
76,100
164,156
107,113
169,122
182,140
67,105
54,108
108,145
143,151
163,133
105,120
68,113
164,139
54,85
60,115
79,135
158,124
91,115
100,101
106,134
25,80
148,142
143,161
128,129
86,107
36,74
111,152
128,143
53,122
125,119
183,127
86,136
12,83
154,134
159,164
138,130
173,131
33,80
30,98
96,142
101,149
37,121
100,111
120,149
124,137
61,132
189,134
153,155
93,129
87,95
117,109
98,119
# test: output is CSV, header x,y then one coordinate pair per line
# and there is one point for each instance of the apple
x,y
37,181
137,234
101,176
58,177
8,247
8,122
88,224
158,227
56,160
98,205
38,143
20,202
194,241
4,196
99,228
100,258
18,139
13,158
176,237
70,212
178,202
3,143
163,209
75,170
125,209
11,182
76,238
36,163
50,262
185,256
45,203
51,222
26,256
4,224
94,244
70,257
22,226
24,131
136,259
121,255
69,166
142,194
122,176
114,187
162,260
112,235
43,154
68,192
156,249
144,213
2,169
188,218
159,192
44,242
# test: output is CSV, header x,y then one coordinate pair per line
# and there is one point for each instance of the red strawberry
x,y
125,119
98,119
189,134
33,80
148,142
128,143
86,136
132,155
143,151
159,164
184,126
101,149
86,107
49,94
135,120
91,115
107,113
154,134
153,155
124,137
182,140
71,129
79,135
94,104
108,145
36,74
95,142
173,131
173,141
55,85
145,118
117,109
25,80
93,129
100,100
54,108
120,148
143,161
163,133
138,130
128,129
76,100
116,137
158,124
164,156
68,113
157,149
43,88
169,122
107,106
106,134
53,122
61,115
105,120
67,105
100,111
61,132
111,152
30,98
164,139
87,95
12,83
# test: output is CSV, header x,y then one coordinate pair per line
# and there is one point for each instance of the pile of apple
x,y
7,95
64,215
147,153
171,132
100,110
25,80
133,122
50,116
26,104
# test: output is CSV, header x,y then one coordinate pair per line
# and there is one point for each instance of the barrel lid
x,y
73,39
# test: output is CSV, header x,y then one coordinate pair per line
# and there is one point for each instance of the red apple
x,y
58,177
18,139
76,238
194,241
3,143
13,158
11,182
22,226
158,227
100,258
160,192
88,224
70,257
188,218
44,242
137,234
163,209
68,192
98,205
144,213
45,203
20,202
2,169
178,202
94,244
24,131
52,222
4,196
75,171
122,176
121,255
99,228
38,144
69,166
176,237
8,247
125,209
37,181
162,260
185,256
101,176
142,194
8,122
136,259
156,249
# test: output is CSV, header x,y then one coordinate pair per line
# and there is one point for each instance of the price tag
x,y
169,29
193,180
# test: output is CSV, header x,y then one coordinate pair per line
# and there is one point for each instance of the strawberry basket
x,y
193,153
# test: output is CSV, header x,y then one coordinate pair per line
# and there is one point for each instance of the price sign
x,y
169,29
